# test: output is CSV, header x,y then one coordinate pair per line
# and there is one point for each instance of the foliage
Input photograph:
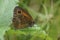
x,y
32,33
47,14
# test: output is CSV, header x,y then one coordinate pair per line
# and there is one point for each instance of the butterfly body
x,y
21,18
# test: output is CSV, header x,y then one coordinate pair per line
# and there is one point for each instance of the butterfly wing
x,y
21,18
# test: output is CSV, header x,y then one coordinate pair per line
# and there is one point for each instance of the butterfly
x,y
21,18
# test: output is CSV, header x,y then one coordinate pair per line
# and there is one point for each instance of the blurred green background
x,y
50,18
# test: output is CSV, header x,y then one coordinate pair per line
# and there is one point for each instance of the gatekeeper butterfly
x,y
21,18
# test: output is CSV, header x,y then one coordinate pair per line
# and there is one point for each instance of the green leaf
x,y
6,13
